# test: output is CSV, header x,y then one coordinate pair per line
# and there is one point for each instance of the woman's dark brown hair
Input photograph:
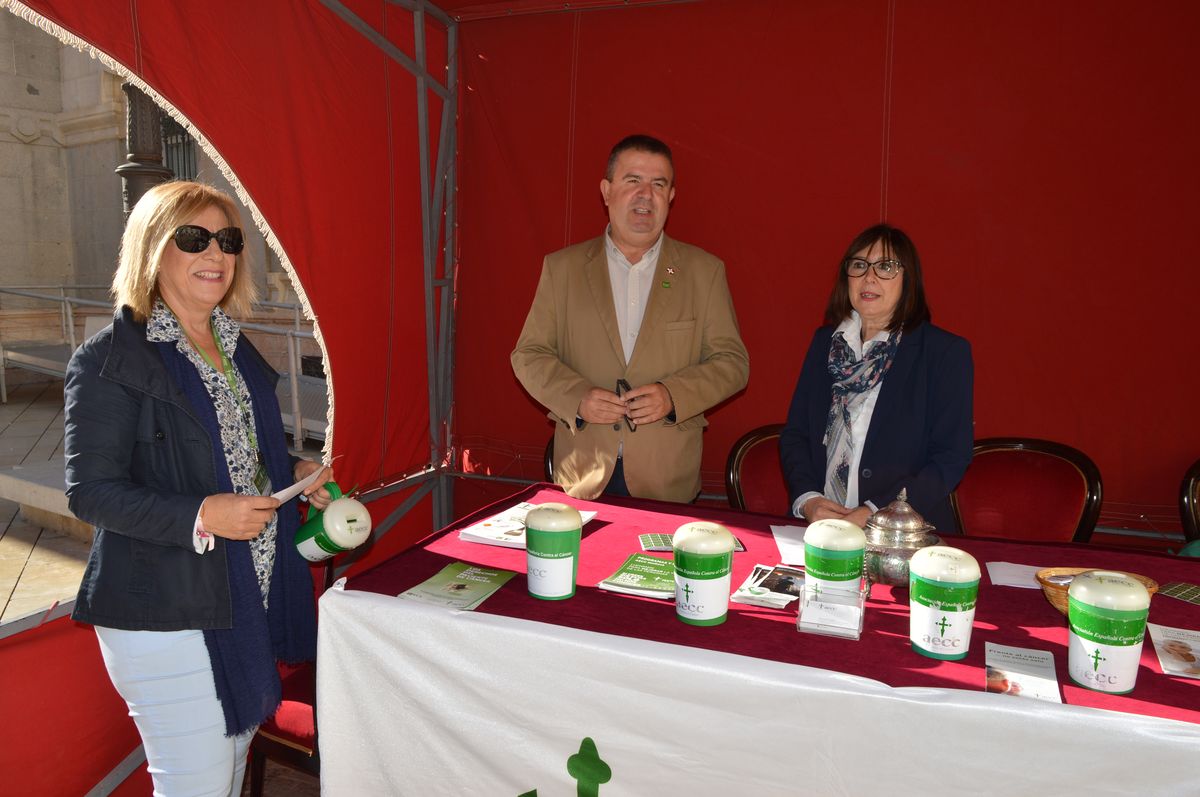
x,y
912,310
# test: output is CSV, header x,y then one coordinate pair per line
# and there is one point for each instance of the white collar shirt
x,y
631,283
860,420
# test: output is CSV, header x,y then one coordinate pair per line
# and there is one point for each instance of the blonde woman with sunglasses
x,y
174,444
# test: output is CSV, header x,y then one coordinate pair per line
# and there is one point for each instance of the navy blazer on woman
x,y
921,433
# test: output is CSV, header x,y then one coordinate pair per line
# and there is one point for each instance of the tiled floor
x,y
39,566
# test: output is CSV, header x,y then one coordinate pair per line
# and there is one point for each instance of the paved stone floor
x,y
39,566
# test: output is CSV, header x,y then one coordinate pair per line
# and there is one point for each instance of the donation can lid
x,y
702,536
835,535
1109,590
347,521
945,564
553,517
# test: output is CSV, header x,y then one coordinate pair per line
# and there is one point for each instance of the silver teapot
x,y
894,534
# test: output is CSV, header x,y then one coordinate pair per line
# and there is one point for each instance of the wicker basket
x,y
1057,593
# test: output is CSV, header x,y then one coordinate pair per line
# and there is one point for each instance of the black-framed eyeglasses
x,y
193,239
884,269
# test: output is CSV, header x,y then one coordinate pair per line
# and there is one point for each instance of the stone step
x,y
40,490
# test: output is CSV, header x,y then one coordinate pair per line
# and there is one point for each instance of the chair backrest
x,y
753,476
1028,489
1189,502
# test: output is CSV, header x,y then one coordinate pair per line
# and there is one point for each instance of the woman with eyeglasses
x,y
883,402
174,444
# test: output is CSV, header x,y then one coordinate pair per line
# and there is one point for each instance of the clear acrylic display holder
x,y
833,612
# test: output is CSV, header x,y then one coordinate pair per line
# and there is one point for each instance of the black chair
x,y
548,459
753,474
1028,489
1189,502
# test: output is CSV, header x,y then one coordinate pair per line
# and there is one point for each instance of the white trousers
x,y
166,679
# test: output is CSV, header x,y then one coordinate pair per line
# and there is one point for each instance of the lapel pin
x,y
666,284
670,270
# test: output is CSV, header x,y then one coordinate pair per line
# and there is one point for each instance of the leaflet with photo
x,y
773,587
1178,649
1022,672
459,586
640,574
506,528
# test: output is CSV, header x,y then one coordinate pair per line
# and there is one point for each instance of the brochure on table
x,y
773,587
506,528
459,586
1178,649
1022,672
645,575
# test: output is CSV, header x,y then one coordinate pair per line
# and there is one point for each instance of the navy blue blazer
x,y
921,433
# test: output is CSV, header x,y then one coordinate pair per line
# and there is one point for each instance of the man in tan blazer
x,y
637,306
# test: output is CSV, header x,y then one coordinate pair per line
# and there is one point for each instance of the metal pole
x,y
143,168
294,382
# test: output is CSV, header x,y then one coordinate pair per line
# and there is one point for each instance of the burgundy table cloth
x,y
1004,615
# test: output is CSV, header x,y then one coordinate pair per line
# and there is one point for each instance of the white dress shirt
x,y
631,283
860,421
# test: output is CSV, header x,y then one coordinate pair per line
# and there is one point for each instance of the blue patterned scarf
x,y
852,379
244,656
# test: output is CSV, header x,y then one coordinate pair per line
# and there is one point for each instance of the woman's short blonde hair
x,y
150,230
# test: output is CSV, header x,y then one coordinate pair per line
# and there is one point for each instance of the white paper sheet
x,y
1006,574
288,493
790,540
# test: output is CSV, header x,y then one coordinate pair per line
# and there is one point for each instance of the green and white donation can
x,y
1107,613
833,555
344,525
703,569
943,584
552,534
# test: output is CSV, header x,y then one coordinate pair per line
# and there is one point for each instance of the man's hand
x,y
821,508
648,403
316,493
237,517
601,406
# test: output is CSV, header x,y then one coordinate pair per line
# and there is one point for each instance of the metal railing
x,y
296,332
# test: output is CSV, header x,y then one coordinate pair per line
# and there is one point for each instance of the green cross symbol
x,y
588,769
687,592
941,625
1096,659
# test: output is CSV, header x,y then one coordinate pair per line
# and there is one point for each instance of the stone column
x,y
143,168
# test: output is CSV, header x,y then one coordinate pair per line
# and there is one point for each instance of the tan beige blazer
x,y
688,340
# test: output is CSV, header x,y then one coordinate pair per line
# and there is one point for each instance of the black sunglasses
x,y
193,240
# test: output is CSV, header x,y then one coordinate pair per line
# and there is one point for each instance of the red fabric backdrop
x,y
1042,156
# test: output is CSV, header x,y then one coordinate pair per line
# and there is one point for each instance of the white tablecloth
x,y
414,699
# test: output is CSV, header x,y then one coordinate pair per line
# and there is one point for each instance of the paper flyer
x,y
641,574
790,540
1006,574
1178,649
507,528
459,586
773,587
1021,672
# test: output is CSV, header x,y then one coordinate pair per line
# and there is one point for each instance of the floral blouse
x,y
240,454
